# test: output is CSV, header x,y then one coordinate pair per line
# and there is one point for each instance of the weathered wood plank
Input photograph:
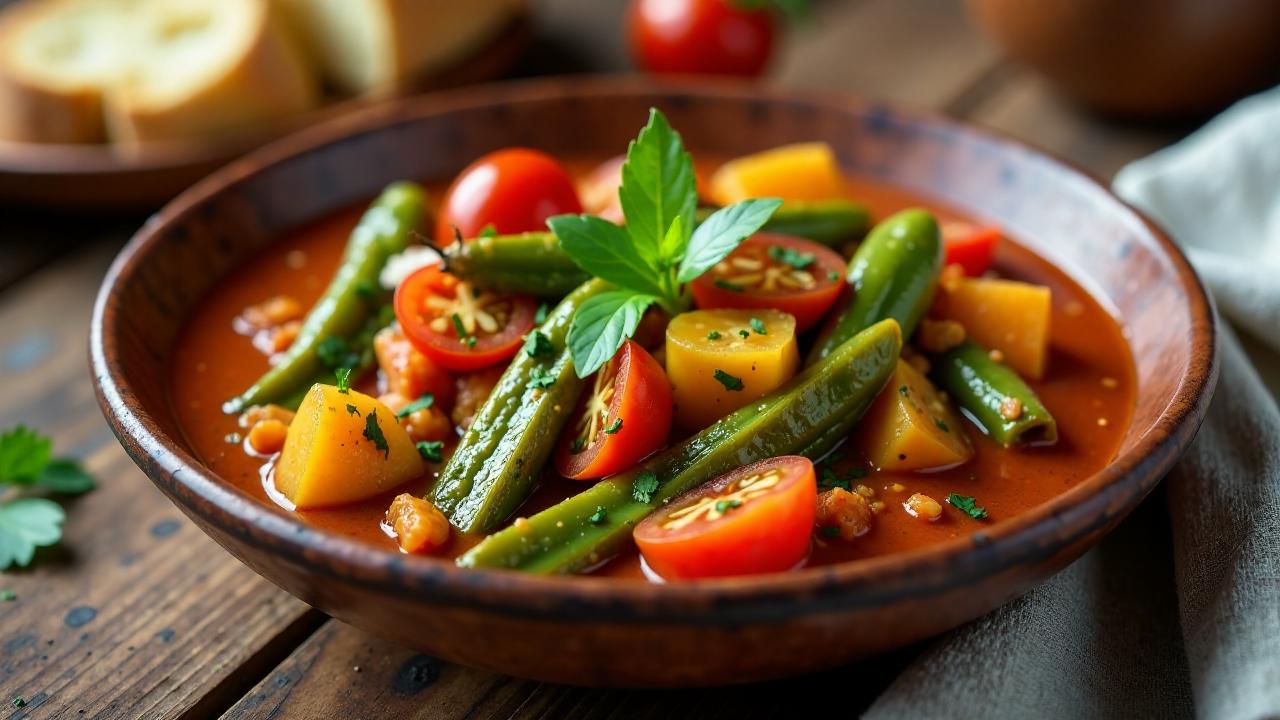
x,y
136,613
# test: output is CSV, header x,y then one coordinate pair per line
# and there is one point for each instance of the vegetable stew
x,y
772,374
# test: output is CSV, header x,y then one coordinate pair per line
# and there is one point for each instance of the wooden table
x,y
138,614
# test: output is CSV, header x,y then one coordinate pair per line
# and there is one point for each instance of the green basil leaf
x,y
26,524
722,232
601,325
658,185
603,249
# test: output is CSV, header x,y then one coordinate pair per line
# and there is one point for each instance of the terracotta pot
x,y
631,633
1142,58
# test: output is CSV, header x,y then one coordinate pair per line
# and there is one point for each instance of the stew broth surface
x,y
1090,388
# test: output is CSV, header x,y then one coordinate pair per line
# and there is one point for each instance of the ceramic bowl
x,y
630,633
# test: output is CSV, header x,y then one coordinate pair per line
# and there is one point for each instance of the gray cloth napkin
x,y
1177,613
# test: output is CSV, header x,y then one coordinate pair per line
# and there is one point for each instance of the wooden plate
x,y
99,177
628,632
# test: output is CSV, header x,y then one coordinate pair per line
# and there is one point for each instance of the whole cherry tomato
x,y
458,327
513,190
623,417
710,37
756,519
767,270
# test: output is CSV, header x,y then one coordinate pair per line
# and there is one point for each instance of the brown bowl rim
x,y
1086,508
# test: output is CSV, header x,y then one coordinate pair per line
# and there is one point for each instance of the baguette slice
x,y
206,67
377,46
55,59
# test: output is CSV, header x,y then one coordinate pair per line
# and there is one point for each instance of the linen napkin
x,y
1177,613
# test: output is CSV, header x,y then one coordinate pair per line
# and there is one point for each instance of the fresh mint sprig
x,y
658,251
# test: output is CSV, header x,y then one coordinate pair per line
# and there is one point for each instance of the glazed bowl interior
x,y
1057,211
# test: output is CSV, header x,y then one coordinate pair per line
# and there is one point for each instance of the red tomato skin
x,y
808,307
767,534
972,248
705,37
642,399
515,190
447,350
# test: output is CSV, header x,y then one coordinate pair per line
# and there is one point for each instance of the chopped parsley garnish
x,y
832,275
540,316
461,330
728,381
431,450
828,478
539,378
366,290
422,403
536,344
829,531
967,505
599,516
724,506
726,285
903,390
794,258
758,325
373,433
334,352
8,596
352,409
28,467
343,376
713,335
942,425
578,444
488,231
614,428
19,702
644,486
745,334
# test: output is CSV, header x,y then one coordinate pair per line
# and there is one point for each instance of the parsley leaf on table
x,y
657,251
23,455
25,524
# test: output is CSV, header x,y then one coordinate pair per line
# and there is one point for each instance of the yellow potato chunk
x,y
719,360
1006,315
343,447
911,427
805,171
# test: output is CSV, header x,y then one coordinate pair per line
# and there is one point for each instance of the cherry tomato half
x,y
756,519
623,417
714,37
790,274
970,246
515,190
457,326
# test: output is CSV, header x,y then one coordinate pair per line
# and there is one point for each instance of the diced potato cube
x,y
1006,315
718,361
343,447
911,427
805,171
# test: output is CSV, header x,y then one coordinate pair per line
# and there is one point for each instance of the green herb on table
x,y
540,379
422,403
8,596
28,469
19,702
644,486
537,344
431,450
730,382
758,325
790,256
657,251
614,428
343,376
373,433
599,516
967,505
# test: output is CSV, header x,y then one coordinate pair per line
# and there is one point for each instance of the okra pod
x,y
892,275
829,222
500,458
811,413
529,263
993,396
346,306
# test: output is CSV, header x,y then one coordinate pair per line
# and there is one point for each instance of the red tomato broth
x,y
212,363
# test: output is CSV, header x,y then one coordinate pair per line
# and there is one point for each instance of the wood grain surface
x,y
138,614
